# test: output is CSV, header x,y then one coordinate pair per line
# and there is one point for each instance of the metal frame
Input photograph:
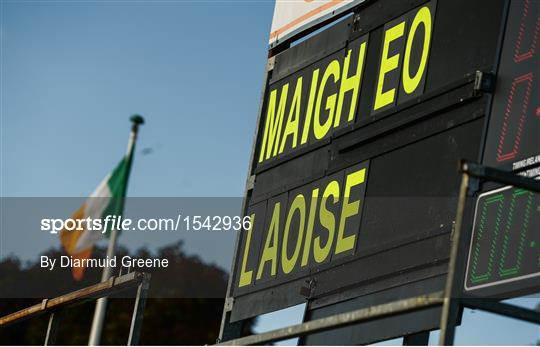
x,y
138,311
473,175
230,330
114,285
451,299
340,320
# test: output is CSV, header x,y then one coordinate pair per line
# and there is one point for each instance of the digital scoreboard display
x,y
506,246
505,254
513,139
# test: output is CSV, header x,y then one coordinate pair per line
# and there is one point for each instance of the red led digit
x,y
519,55
524,81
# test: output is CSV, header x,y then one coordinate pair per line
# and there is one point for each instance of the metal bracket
x,y
356,23
484,82
492,174
229,302
250,183
271,63
307,290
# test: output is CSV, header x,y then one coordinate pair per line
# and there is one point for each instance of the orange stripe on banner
x,y
78,272
69,238
302,18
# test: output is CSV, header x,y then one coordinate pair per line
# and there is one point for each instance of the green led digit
x,y
504,269
477,253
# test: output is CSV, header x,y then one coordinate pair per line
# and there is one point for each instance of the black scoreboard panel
x,y
504,256
356,185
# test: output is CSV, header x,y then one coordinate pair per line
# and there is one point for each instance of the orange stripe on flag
x,y
78,272
69,241
69,238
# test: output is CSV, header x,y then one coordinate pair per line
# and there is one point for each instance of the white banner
x,y
294,16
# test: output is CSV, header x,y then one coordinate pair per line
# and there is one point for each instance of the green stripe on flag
x,y
117,186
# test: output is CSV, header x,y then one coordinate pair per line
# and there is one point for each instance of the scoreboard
x,y
513,139
353,182
506,241
504,256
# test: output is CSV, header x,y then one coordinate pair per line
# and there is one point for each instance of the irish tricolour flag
x,y
107,199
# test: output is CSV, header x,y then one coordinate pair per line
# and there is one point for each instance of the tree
x,y
184,305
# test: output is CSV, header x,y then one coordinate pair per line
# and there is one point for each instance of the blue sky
x,y
72,72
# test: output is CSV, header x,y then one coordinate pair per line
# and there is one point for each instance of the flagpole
x,y
101,303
